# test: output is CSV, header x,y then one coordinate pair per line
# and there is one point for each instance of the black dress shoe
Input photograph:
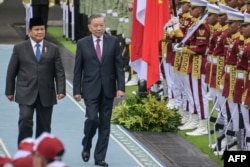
x,y
102,163
85,155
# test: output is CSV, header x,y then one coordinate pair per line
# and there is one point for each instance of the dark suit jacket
x,y
90,75
26,77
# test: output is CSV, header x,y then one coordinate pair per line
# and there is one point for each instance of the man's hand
x,y
78,97
60,96
119,94
10,97
221,87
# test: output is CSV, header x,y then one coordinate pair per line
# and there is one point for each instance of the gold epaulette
x,y
247,41
241,38
178,33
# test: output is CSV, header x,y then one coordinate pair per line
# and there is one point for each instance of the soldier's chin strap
x,y
192,29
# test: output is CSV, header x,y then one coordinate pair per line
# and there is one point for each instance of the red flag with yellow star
x,y
156,15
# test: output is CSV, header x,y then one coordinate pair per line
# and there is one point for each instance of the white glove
x,y
127,40
178,49
168,24
169,30
221,87
51,4
176,26
175,20
26,5
1,1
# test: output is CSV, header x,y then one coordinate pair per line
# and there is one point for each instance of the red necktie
x,y
98,49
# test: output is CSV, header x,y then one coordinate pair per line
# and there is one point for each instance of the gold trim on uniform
x,y
177,62
185,63
196,66
219,71
232,76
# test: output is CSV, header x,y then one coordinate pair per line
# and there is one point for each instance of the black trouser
x,y
25,122
98,113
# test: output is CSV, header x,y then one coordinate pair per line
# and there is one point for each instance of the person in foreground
x,y
35,76
98,78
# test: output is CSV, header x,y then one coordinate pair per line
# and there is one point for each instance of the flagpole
x,y
174,8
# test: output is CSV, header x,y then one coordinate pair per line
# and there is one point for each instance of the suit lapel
x,y
105,46
45,50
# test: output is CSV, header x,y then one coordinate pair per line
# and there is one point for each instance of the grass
x,y
200,142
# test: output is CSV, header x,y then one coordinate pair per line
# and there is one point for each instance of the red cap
x,y
27,144
48,146
4,160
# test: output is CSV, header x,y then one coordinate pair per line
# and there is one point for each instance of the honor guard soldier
x,y
246,95
180,96
217,69
234,41
213,11
197,50
168,53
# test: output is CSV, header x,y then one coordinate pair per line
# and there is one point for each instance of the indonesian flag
x,y
137,39
149,18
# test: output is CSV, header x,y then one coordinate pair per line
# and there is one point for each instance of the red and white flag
x,y
137,39
149,18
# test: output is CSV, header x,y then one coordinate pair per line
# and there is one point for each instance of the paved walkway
x,y
132,149
67,124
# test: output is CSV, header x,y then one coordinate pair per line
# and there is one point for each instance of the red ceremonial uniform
x,y
233,43
246,95
212,45
241,71
217,68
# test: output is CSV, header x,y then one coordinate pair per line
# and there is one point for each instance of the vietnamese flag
x,y
156,15
149,18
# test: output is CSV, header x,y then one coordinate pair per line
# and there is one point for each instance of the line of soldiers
x,y
206,52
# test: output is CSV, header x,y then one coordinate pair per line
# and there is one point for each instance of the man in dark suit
x,y
36,78
98,78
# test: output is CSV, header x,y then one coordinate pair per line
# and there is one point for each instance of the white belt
x,y
240,75
227,69
209,58
214,60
